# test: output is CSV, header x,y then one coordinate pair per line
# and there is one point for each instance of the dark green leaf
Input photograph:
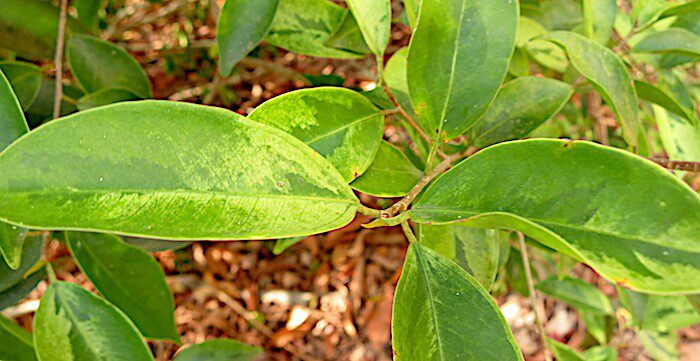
x,y
74,324
374,20
391,174
453,80
11,240
560,14
105,97
129,278
25,79
670,41
607,74
565,353
340,124
29,28
654,94
304,26
442,313
519,63
283,244
42,108
477,251
31,251
21,289
631,220
242,25
596,325
521,106
15,343
156,245
87,11
186,172
599,18
219,349
348,37
543,52
577,293
89,59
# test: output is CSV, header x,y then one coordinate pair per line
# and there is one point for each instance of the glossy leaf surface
x,y
89,57
521,106
670,41
130,279
442,313
477,251
187,172
608,75
577,293
631,220
348,36
219,349
391,174
21,289
304,26
242,25
340,124
452,81
374,19
74,324
25,79
16,343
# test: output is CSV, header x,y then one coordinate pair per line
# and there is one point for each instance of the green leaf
x,y
186,172
105,97
629,219
391,174
543,52
31,251
670,41
283,244
15,342
242,25
29,28
694,301
681,140
74,324
348,37
660,346
396,79
577,293
12,123
453,81
519,63
564,353
156,245
129,278
304,26
521,106
607,74
11,240
658,313
219,349
21,289
25,79
340,124
41,110
374,19
599,18
560,14
412,8
87,11
442,313
477,251
90,57
596,325
656,95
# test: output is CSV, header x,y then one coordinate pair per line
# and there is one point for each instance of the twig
x,y
410,120
58,60
213,88
533,296
688,166
362,209
403,204
408,232
623,41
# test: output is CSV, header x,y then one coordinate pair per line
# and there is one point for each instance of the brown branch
x,y
410,120
403,204
58,60
687,166
533,296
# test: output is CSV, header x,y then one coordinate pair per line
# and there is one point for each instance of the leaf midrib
x,y
343,127
174,192
451,81
431,301
544,222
